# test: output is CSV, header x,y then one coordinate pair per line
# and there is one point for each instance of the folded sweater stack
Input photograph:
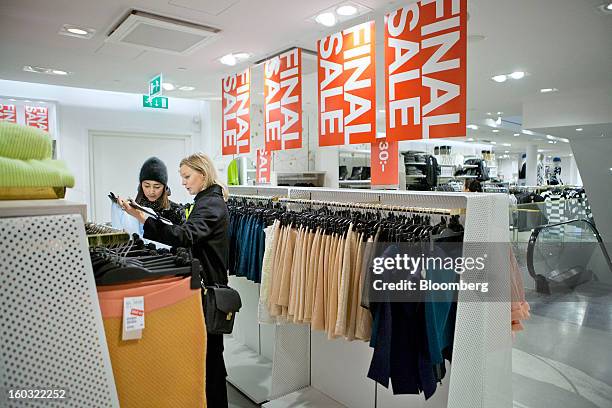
x,y
25,159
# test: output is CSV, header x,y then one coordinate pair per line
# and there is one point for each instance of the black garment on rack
x,y
205,232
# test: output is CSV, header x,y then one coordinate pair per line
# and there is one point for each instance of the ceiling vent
x,y
162,34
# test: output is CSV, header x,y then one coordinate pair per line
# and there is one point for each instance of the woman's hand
x,y
139,215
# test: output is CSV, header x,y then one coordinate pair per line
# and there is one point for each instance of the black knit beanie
x,y
154,169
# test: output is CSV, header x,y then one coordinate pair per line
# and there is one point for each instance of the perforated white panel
x,y
290,368
51,331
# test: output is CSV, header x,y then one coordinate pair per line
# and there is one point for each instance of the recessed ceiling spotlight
x,y
473,127
77,31
550,137
500,113
551,142
579,129
517,134
527,132
493,143
495,131
547,90
517,75
506,151
346,10
44,70
489,113
186,88
167,86
500,78
606,8
242,55
59,72
182,68
228,59
507,144
327,19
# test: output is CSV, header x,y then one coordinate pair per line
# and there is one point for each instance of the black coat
x,y
205,232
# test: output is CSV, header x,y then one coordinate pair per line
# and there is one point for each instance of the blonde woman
x,y
205,232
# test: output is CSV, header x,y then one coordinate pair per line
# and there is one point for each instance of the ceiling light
x,y
500,78
506,151
517,134
579,130
489,113
346,10
77,31
540,150
59,72
44,70
228,59
168,86
551,142
517,75
327,19
609,7
495,131
547,90
470,140
186,88
493,143
506,144
242,55
550,137
500,113
474,127
527,132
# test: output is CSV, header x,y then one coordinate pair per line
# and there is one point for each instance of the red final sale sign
x,y
263,166
236,122
347,86
283,101
425,70
8,113
38,117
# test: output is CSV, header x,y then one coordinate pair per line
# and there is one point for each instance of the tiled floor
x,y
563,359
237,400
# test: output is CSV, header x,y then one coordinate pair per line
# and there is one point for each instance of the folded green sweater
x,y
24,142
34,173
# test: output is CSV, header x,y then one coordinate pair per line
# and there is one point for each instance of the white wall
x,y
83,110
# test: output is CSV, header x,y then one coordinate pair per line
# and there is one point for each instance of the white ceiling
x,y
563,44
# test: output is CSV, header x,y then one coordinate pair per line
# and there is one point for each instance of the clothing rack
x,y
375,205
482,354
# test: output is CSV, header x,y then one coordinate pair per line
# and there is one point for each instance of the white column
x,y
531,173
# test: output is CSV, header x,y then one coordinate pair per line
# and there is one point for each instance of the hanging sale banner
x,y
263,166
347,86
283,101
37,116
8,113
425,70
383,163
236,122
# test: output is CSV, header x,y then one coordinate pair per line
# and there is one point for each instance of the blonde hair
x,y
201,163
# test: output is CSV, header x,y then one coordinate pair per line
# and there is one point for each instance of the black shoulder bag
x,y
221,303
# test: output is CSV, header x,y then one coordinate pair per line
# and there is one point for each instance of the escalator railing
x,y
564,255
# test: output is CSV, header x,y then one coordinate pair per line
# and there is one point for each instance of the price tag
x,y
384,163
133,317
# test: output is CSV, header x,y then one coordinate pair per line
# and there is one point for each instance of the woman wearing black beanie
x,y
153,191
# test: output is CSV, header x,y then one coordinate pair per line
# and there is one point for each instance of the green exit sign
x,y
159,102
155,86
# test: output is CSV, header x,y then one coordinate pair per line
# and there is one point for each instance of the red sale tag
x,y
137,312
383,161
